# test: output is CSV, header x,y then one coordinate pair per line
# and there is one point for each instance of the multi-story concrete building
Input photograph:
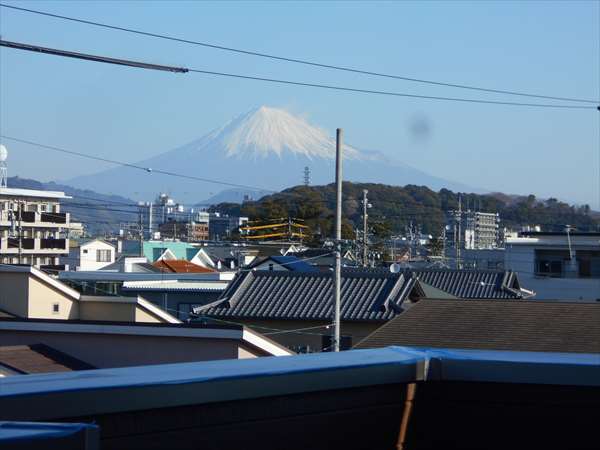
x,y
557,266
33,230
222,226
473,230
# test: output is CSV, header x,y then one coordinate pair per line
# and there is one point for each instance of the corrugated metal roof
x,y
366,295
174,285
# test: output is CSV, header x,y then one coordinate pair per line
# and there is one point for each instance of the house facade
x,y
557,266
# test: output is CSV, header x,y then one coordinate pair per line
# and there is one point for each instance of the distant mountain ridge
x,y
100,212
265,149
394,208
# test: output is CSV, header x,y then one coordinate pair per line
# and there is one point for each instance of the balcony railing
x,y
26,216
54,217
53,243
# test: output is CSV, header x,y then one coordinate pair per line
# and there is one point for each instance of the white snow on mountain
x,y
264,131
266,148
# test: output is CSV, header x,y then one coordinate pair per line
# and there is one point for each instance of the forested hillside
x,y
394,208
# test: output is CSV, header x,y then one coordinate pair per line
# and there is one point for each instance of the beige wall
x,y
357,330
42,297
104,350
14,289
143,315
119,312
244,353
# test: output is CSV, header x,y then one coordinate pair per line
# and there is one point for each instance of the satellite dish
x,y
395,268
3,153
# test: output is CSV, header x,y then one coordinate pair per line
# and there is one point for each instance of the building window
x,y
55,308
85,251
103,255
270,266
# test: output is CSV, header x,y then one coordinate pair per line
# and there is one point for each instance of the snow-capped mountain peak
x,y
266,131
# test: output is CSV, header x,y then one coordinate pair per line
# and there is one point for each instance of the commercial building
x,y
189,231
33,230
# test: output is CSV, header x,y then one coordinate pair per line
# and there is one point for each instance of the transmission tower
x,y
306,176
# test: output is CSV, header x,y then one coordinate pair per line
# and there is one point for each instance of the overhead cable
x,y
133,166
137,64
299,61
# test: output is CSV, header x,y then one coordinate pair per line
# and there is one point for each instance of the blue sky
x,y
542,47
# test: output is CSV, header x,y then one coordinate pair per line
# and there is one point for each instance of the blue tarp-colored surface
x,y
12,432
475,365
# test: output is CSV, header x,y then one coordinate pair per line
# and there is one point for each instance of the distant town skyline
x,y
550,48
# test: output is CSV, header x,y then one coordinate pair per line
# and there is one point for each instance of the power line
x,y
102,59
88,57
298,61
394,94
133,166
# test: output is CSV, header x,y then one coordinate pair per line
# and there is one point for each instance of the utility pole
x,y
459,237
365,249
20,208
141,232
337,276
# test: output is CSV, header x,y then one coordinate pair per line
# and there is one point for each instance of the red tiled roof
x,y
180,266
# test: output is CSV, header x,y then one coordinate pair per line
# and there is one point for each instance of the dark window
x,y
55,308
103,255
270,266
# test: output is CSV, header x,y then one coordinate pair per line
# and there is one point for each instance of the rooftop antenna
x,y
307,176
3,167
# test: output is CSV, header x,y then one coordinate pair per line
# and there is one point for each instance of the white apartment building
x,y
557,266
33,230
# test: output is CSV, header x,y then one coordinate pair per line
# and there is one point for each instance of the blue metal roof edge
x,y
26,397
13,432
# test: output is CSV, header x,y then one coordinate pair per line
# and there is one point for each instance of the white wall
x,y
88,255
521,259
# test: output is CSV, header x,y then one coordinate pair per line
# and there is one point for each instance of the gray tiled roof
x,y
527,325
471,283
366,295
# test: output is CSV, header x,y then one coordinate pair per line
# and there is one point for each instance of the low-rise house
x,y
106,344
110,282
466,284
557,266
36,358
29,293
523,326
178,297
296,309
289,263
92,255
180,266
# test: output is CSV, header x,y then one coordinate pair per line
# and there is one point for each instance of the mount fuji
x,y
263,150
